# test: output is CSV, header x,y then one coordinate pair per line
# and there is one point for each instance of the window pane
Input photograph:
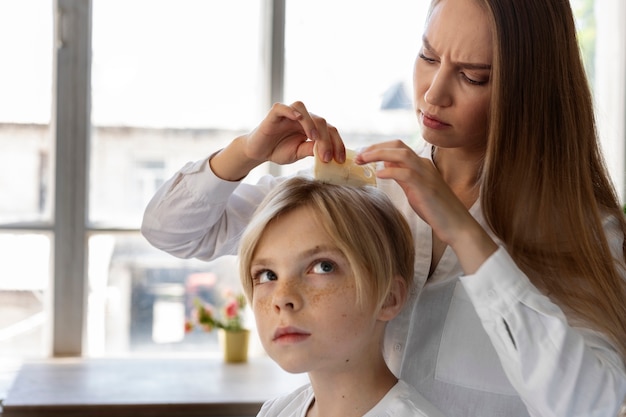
x,y
25,173
358,73
171,81
129,164
140,298
24,288
169,63
26,50
25,102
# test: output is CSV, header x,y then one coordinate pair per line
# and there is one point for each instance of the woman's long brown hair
x,y
545,187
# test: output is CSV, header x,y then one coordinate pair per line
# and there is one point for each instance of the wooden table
x,y
146,387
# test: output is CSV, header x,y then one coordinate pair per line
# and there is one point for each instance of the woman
x,y
521,308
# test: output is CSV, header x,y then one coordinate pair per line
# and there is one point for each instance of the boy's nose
x,y
287,297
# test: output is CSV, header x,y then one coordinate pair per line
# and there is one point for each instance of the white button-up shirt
x,y
487,345
401,401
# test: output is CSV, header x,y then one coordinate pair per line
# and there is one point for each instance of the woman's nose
x,y
438,93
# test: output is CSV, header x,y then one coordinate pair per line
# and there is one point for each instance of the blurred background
x,y
166,82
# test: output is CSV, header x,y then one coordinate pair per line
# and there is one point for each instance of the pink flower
x,y
232,309
188,326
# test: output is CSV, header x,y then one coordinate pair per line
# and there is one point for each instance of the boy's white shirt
x,y
402,400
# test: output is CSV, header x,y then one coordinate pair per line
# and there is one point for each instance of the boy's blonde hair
x,y
370,231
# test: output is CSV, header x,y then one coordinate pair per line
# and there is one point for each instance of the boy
x,y
325,267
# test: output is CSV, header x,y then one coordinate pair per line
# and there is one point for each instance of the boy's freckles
x,y
334,294
328,293
261,304
315,297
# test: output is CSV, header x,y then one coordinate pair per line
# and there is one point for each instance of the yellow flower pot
x,y
234,345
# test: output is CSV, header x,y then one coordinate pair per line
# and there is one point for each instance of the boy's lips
x,y
290,334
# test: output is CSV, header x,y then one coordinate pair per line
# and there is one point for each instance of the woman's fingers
x,y
304,118
393,154
289,132
328,141
427,192
338,147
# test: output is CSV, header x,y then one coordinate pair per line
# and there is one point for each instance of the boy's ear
x,y
395,300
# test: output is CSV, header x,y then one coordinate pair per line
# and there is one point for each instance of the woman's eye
x,y
264,276
323,267
474,81
425,58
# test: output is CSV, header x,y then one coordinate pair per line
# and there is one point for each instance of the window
x,y
171,82
143,86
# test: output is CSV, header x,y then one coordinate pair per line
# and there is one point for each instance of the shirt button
x,y
397,347
491,293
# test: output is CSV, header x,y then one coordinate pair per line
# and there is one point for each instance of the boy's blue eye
x,y
265,276
323,267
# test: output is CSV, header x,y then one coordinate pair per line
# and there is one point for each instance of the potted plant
x,y
228,319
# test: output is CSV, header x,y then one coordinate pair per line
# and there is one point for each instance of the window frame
x,y
71,112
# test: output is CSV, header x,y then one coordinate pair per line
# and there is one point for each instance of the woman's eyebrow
x,y
466,65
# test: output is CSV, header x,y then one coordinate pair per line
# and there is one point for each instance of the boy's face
x,y
304,299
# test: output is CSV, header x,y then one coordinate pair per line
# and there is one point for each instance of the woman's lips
x,y
290,335
432,122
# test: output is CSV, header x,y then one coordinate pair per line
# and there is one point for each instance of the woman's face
x,y
452,75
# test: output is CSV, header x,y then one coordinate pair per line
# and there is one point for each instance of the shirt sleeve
x,y
558,369
195,214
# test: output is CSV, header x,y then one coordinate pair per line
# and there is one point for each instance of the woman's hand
x,y
286,135
282,136
433,200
